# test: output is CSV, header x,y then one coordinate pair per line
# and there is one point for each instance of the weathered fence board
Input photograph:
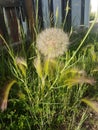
x,y
52,12
45,11
12,24
20,15
57,12
87,13
3,29
80,12
76,12
10,3
29,10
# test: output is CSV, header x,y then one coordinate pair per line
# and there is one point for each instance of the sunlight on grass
x,y
52,79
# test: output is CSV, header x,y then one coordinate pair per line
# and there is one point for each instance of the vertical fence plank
x,y
76,13
66,14
29,7
57,12
50,2
82,11
12,24
6,20
3,30
45,11
87,13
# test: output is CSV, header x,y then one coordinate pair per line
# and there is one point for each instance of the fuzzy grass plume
x,y
92,104
4,93
22,64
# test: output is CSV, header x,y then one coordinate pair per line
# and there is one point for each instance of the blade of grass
x,y
79,46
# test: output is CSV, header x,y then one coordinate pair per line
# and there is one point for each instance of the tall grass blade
x,y
74,54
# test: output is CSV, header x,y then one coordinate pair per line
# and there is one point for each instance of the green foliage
x,y
49,92
92,16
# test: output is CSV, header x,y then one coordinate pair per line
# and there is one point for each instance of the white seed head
x,y
52,42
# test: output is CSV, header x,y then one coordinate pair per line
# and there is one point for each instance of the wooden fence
x,y
10,12
49,12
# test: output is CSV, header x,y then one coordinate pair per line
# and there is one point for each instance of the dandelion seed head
x,y
52,42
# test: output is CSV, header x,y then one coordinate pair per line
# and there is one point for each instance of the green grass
x,y
50,94
50,100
